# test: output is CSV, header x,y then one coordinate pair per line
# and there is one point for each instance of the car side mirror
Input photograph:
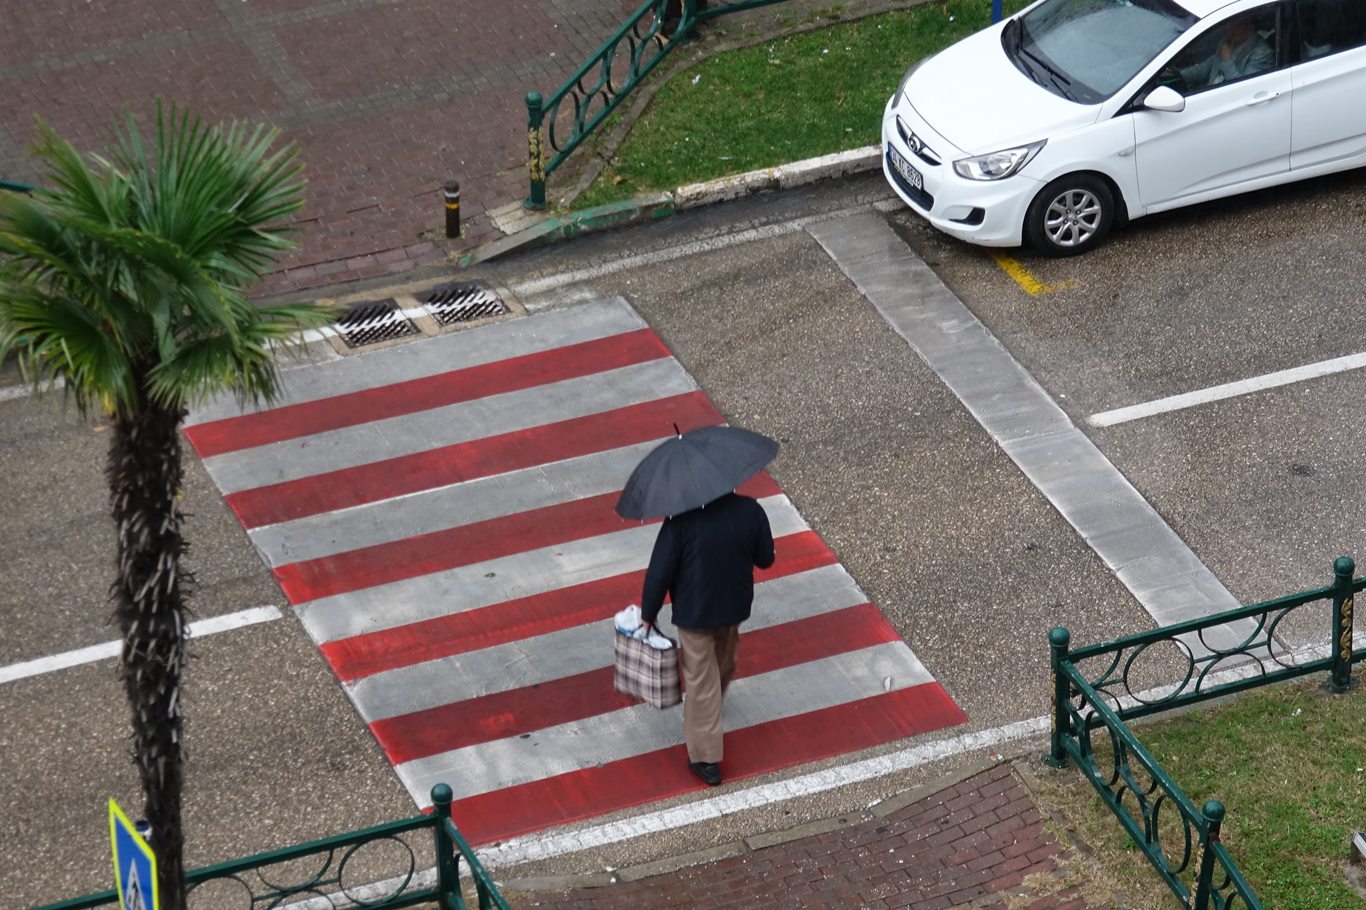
x,y
1165,98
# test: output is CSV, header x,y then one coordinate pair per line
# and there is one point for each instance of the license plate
x,y
907,172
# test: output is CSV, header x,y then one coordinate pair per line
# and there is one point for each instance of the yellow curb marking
x,y
1025,278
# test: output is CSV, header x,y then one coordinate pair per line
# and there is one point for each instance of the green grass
x,y
1289,764
787,99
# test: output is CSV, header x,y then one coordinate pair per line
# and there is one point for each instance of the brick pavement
x,y
388,99
980,843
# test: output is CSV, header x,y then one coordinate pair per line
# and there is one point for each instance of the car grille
x,y
916,144
919,197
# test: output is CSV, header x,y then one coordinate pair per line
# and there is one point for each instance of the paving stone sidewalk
x,y
979,844
388,100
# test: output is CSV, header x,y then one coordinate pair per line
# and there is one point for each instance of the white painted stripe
x,y
683,250
1143,551
110,649
24,391
216,624
457,505
1228,390
499,580
468,421
427,356
577,649
593,741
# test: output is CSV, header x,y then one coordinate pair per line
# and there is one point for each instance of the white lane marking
x,y
1114,519
668,254
378,441
455,505
459,350
26,389
1228,390
546,658
108,649
494,581
788,692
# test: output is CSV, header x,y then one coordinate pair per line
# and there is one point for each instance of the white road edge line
x,y
1228,390
26,389
108,649
540,847
691,248
554,282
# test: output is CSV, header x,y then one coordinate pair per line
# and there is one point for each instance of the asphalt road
x,y
958,548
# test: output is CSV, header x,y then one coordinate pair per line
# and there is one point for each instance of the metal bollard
x,y
1343,569
535,113
452,194
1058,641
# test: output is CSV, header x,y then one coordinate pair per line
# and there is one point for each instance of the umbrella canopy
x,y
693,468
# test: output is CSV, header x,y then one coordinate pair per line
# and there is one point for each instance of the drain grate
x,y
374,320
453,303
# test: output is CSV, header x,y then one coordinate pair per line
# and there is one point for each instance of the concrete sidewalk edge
x,y
693,195
761,841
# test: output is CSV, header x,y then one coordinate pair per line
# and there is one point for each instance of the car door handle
x,y
1262,98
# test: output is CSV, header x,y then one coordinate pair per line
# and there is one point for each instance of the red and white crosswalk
x,y
440,515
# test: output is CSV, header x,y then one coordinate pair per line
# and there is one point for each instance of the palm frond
x,y
218,192
156,248
99,196
62,337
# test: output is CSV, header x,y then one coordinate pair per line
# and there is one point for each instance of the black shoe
x,y
709,771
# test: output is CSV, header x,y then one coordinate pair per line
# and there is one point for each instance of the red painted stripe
x,y
232,434
751,751
467,460
465,545
561,701
538,614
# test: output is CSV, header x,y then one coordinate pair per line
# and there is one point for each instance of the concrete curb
x,y
692,195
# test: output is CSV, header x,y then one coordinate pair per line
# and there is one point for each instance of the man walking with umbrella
x,y
704,559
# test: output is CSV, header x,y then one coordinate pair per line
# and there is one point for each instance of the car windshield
x,y
1086,50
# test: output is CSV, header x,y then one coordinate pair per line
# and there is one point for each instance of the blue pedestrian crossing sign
x,y
135,865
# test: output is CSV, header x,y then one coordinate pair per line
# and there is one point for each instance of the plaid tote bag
x,y
649,674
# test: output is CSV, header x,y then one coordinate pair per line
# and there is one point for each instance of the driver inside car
x,y
1242,53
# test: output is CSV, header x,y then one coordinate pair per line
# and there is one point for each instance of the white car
x,y
1049,127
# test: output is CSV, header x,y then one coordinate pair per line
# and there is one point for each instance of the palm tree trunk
x,y
144,473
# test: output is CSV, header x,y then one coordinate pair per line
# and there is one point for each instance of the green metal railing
x,y
1181,842
375,868
559,123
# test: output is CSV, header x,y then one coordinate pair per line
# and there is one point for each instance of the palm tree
x,y
125,282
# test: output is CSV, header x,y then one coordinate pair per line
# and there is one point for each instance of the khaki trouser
x,y
708,657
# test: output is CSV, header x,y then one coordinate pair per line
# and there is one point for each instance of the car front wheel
x,y
1070,216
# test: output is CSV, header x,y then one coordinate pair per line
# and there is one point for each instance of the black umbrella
x,y
691,469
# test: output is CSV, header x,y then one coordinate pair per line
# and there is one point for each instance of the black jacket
x,y
705,560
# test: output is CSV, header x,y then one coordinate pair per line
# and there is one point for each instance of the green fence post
x,y
1343,569
1213,811
447,867
535,157
1058,640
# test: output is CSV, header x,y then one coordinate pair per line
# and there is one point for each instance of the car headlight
x,y
998,165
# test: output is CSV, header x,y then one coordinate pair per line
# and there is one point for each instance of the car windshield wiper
x,y
1015,44
1062,83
